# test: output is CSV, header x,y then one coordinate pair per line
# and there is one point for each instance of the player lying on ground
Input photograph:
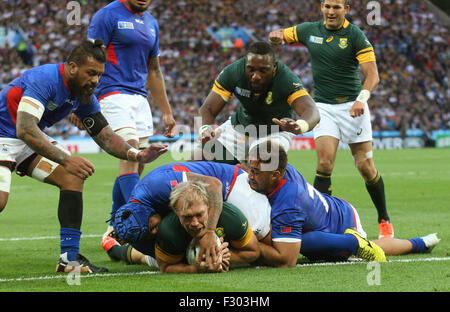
x,y
150,201
319,226
336,240
189,201
38,99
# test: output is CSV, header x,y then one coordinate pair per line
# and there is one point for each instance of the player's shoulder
x,y
43,75
285,73
170,227
355,30
231,211
148,16
307,26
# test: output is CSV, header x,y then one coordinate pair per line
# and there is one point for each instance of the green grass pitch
x,y
417,185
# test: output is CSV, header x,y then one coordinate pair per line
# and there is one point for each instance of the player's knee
x,y
325,165
67,181
366,169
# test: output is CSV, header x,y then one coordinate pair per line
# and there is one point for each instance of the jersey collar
x,y
346,24
61,72
283,181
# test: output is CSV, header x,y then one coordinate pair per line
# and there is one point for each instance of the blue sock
x,y
70,242
318,245
127,183
418,245
117,198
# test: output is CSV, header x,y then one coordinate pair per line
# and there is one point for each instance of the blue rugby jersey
x,y
154,189
46,85
131,39
298,207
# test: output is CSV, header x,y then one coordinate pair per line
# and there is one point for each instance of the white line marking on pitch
x,y
62,276
44,237
65,276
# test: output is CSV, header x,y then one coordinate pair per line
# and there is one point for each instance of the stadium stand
x,y
412,48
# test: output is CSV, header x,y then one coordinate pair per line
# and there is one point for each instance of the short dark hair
x,y
261,48
88,48
266,151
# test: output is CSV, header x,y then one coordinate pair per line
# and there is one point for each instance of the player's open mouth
x,y
331,19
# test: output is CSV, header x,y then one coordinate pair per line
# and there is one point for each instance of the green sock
x,y
376,191
322,182
121,253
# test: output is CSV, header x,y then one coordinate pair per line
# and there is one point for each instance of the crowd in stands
x,y
411,44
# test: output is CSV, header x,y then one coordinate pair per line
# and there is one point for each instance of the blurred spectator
x,y
411,45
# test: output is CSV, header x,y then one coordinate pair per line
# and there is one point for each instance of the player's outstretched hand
x,y
170,123
209,133
79,166
151,153
276,37
288,124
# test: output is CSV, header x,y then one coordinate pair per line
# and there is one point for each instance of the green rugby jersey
x,y
335,57
172,239
259,109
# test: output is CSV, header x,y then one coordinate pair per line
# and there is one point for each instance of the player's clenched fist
x,y
276,37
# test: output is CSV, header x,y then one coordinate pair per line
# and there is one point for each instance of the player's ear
x,y
73,68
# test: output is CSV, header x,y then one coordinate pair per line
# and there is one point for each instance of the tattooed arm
x,y
208,245
116,146
157,87
28,131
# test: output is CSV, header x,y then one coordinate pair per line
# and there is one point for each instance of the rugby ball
x,y
192,252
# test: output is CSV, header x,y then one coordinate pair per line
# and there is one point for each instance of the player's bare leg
x,y
326,147
70,213
363,156
5,184
396,247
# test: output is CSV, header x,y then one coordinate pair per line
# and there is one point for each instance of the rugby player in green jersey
x,y
337,49
269,95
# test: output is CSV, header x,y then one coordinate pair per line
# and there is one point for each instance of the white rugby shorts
x,y
335,121
15,151
239,145
128,111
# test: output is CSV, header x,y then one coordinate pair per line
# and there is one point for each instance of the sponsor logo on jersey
x,y
269,98
242,92
125,25
359,131
314,39
330,39
138,20
343,43
220,232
